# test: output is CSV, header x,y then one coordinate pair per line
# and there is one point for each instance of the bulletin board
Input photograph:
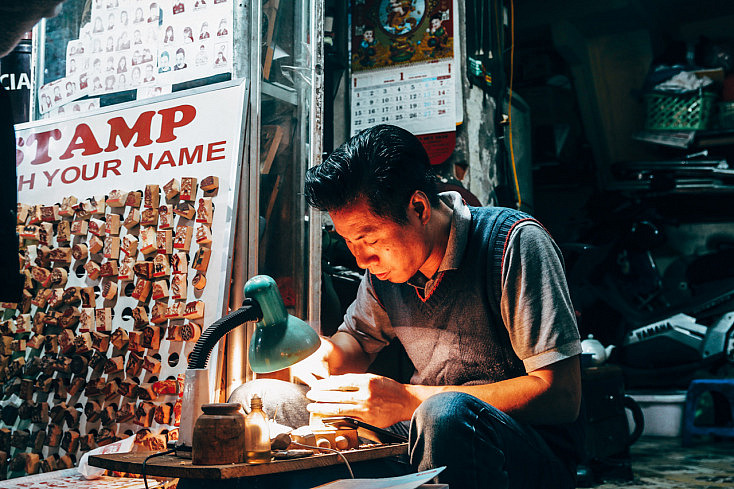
x,y
126,218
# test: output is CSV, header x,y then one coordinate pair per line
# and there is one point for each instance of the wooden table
x,y
176,467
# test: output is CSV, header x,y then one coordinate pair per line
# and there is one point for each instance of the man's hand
x,y
377,400
315,366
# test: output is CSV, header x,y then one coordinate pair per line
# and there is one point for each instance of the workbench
x,y
379,461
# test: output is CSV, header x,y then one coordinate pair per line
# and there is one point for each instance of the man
x,y
16,18
478,298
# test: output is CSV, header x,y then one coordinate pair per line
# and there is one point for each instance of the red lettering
x,y
165,159
141,129
50,177
87,142
211,150
84,171
140,161
42,139
169,122
111,166
66,179
184,155
22,181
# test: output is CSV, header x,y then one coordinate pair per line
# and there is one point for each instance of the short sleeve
x,y
535,304
366,319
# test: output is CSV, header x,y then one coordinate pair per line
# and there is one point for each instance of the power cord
x,y
346,462
159,454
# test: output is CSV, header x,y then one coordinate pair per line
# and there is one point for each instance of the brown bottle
x,y
257,433
219,435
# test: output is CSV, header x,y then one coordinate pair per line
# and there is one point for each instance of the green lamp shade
x,y
279,340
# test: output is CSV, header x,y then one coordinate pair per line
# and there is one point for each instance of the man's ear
x,y
420,206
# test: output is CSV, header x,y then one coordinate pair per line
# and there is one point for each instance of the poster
x,y
396,32
143,45
127,221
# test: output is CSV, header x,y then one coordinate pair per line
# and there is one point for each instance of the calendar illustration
x,y
419,98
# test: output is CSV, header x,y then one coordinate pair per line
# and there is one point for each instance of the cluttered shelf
x,y
173,466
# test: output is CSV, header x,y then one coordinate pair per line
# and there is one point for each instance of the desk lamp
x,y
279,340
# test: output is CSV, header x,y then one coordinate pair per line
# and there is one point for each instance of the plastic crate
x,y
678,112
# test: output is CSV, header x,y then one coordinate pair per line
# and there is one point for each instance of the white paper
x,y
410,481
89,472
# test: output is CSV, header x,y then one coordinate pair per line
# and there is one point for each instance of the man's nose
x,y
364,259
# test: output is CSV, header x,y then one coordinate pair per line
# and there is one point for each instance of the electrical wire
x,y
346,462
509,104
159,454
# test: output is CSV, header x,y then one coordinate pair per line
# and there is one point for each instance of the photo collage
x,y
146,45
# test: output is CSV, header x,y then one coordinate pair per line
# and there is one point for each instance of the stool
x,y
722,390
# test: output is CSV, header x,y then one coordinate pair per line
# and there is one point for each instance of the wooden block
x,y
87,442
32,463
201,259
204,235
164,241
171,189
129,246
50,213
34,214
142,290
63,232
88,296
38,440
149,217
126,411
140,317
71,418
174,332
78,384
36,341
93,270
210,183
128,388
119,338
69,318
43,256
113,224
41,275
97,360
30,231
80,251
152,365
39,414
96,227
41,298
112,247
151,199
58,278
188,188
86,319
134,199
78,228
109,269
161,266
185,209
46,233
98,205
100,341
147,240
132,219
178,287
50,463
190,332
135,343
179,263
144,414
110,389
117,198
96,245
114,365
134,365
146,392
56,297
83,342
109,290
205,211
165,217
176,310
72,296
151,337
67,206
159,291
126,270
143,269
103,319
21,213
61,255
158,314
166,387
95,387
105,437
66,341
164,413
194,310
182,239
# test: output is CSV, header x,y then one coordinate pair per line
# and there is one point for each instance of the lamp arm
x,y
250,311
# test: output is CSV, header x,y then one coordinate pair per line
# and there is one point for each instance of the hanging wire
x,y
509,104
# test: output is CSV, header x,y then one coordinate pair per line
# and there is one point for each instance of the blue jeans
x,y
480,446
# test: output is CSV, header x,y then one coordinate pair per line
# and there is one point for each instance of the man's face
x,y
390,251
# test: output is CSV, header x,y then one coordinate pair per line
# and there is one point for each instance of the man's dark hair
x,y
384,164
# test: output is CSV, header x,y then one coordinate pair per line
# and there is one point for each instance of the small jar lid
x,y
221,408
